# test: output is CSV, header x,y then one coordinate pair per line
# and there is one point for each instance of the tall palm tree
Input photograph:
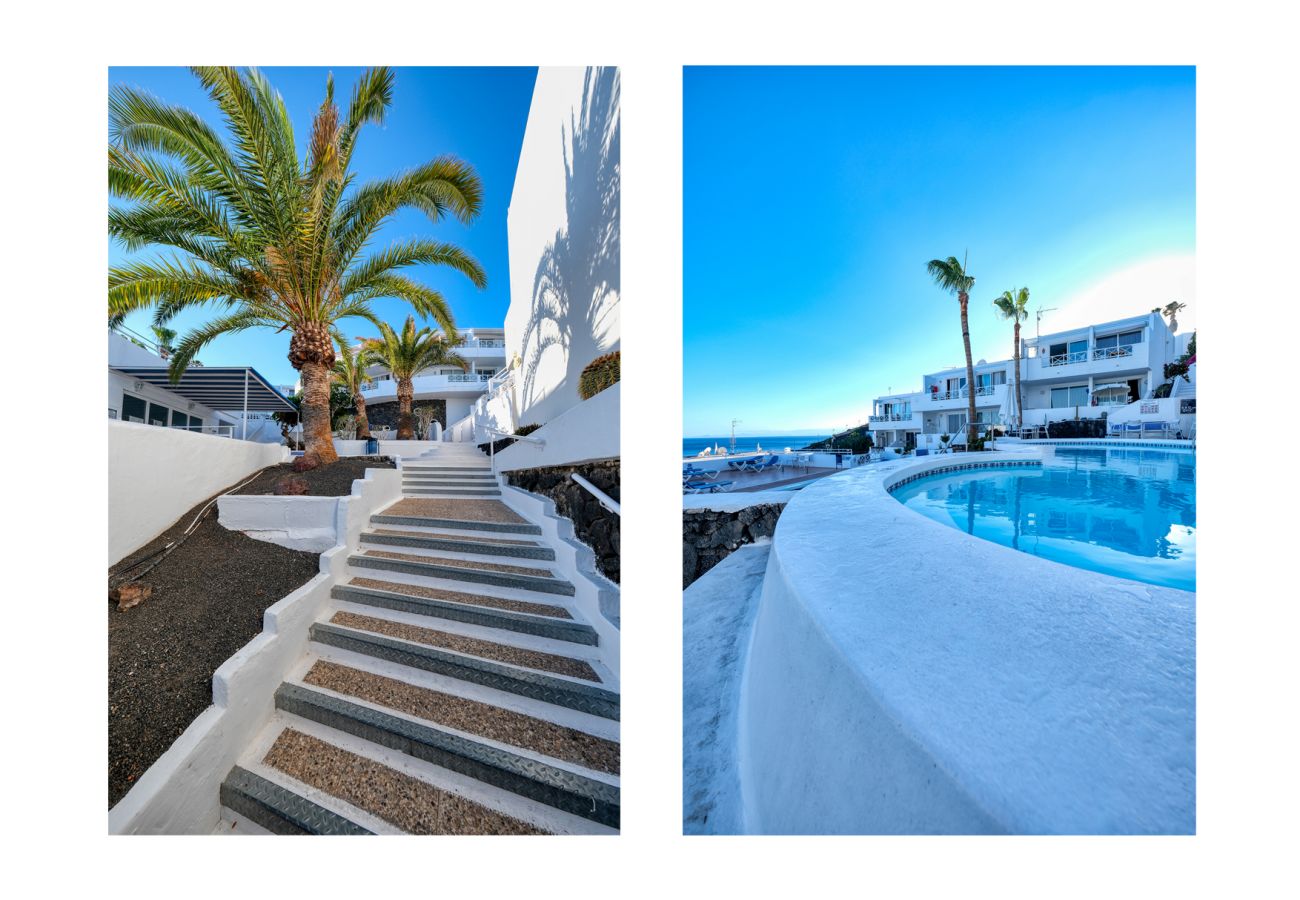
x,y
1170,311
406,354
268,240
1014,305
950,274
350,371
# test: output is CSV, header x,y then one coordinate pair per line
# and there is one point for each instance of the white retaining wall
x,y
594,594
581,433
179,793
156,474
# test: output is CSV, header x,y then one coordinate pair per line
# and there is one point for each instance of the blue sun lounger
x,y
704,487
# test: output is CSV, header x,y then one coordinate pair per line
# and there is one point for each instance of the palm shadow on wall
x,y
576,286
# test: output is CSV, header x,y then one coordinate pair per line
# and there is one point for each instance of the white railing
x,y
1065,359
601,497
467,378
891,417
485,343
1112,352
217,430
492,444
962,394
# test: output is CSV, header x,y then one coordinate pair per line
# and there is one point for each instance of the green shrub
x,y
526,429
600,373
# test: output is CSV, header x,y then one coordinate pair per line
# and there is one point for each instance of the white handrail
x,y
601,497
492,445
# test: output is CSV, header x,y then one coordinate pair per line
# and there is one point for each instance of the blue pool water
x,y
1128,512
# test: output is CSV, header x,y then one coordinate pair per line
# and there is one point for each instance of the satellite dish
x,y
982,363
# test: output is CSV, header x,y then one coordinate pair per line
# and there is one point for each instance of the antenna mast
x,y
733,434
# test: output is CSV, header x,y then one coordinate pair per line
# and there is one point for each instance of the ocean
x,y
692,446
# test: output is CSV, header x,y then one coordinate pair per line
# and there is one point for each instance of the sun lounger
x,y
705,487
696,472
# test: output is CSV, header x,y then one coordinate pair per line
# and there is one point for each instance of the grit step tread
x,y
548,687
493,646
475,552
489,631
384,587
278,808
546,740
540,816
465,524
461,562
446,571
564,787
568,717
406,802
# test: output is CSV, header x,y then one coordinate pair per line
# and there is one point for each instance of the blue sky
x,y
813,197
477,114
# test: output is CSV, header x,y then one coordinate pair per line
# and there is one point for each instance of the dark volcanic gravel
x,y
334,480
207,602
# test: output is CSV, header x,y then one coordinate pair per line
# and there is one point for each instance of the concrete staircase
x,y
451,688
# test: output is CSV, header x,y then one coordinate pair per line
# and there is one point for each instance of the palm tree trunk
x,y
363,424
405,419
316,412
963,299
1020,409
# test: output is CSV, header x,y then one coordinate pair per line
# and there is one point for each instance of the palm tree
x,y
270,241
1170,311
406,354
950,274
165,338
1014,305
350,371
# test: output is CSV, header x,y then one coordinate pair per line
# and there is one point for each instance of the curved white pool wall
x,y
905,677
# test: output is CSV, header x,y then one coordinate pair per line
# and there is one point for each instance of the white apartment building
x,y
1111,368
485,351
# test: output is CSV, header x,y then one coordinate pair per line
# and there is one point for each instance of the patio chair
x,y
1133,429
1115,429
1155,429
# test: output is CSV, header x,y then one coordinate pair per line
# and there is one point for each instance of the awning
x,y
226,388
1110,387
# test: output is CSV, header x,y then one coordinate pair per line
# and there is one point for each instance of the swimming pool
x,y
1127,512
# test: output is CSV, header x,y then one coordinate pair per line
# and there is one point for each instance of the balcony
x,y
454,383
1096,354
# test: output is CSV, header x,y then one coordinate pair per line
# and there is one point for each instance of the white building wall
x,y
119,384
563,229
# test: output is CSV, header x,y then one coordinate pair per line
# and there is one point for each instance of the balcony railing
x,y
484,343
1078,356
1112,352
985,390
891,417
467,378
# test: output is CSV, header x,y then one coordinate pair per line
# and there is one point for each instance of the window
x,y
180,419
1130,337
1070,396
158,414
956,422
133,409
1107,342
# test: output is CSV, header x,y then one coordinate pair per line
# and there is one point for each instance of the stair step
x,y
569,692
447,492
350,773
459,544
473,610
454,570
479,469
463,524
278,809
449,476
519,773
